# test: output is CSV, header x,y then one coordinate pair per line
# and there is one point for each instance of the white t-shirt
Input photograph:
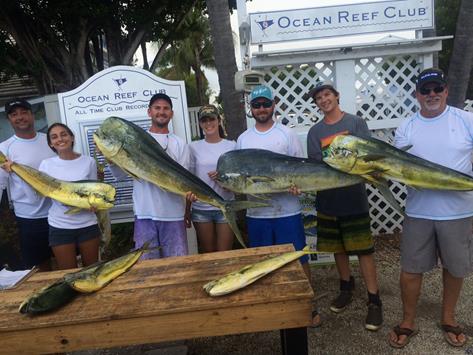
x,y
446,140
278,139
81,168
150,201
26,201
204,157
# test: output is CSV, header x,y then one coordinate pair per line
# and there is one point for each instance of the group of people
x,y
437,224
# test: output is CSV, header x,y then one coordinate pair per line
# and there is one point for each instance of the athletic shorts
x,y
34,244
424,241
273,231
171,236
345,234
61,236
205,216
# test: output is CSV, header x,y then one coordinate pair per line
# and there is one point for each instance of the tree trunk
x,y
461,61
224,52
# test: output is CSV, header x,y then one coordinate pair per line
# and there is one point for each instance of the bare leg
x,y
343,266
89,251
451,292
224,237
206,236
411,285
65,255
368,270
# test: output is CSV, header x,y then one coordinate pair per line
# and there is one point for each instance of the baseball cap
x,y
431,75
208,111
160,96
321,85
261,91
12,104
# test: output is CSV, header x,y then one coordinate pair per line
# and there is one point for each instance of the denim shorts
x,y
202,216
60,236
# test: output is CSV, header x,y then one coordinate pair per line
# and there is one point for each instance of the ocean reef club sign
x,y
341,20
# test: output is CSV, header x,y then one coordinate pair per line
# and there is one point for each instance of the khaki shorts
x,y
424,241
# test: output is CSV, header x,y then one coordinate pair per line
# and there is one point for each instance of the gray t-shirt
x,y
344,201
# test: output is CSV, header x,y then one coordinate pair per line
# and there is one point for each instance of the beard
x,y
262,118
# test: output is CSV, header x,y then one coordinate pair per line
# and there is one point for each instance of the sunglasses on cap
x,y
437,90
265,104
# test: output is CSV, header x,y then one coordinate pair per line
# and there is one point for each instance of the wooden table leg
x,y
294,341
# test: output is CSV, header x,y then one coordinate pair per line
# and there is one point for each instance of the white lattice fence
x,y
385,90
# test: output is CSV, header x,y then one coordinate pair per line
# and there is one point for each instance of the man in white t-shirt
x,y
159,215
437,223
27,147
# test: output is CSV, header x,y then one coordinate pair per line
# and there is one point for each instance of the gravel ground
x,y
344,333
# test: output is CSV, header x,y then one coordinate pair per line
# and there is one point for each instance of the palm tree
x,y
225,62
191,54
460,65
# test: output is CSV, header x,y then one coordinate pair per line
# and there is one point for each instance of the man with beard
x,y
281,223
159,215
437,223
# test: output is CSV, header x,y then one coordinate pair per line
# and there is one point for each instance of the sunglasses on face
x,y
437,90
265,104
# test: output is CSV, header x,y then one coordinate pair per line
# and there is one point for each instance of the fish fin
x,y
371,157
134,176
255,179
382,185
406,148
230,214
73,210
260,197
3,158
243,205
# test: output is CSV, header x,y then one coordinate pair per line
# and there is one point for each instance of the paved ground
x,y
344,333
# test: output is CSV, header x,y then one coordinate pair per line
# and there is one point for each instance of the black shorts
x,y
34,244
61,236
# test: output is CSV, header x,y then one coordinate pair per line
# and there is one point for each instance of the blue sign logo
x,y
119,82
265,24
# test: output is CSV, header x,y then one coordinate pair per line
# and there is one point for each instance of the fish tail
x,y
229,211
307,250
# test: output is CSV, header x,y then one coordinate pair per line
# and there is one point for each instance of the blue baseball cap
x,y
261,91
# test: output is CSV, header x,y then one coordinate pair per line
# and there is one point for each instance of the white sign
x,y
341,20
125,92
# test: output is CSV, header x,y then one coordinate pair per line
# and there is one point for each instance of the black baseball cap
x,y
431,75
321,85
162,97
12,104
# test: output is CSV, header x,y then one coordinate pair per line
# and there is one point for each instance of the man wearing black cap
x,y
27,147
343,222
437,223
159,214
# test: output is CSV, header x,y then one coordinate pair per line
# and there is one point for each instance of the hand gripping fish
x,y
136,152
250,273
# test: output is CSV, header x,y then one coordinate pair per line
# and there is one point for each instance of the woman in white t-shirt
x,y
67,232
213,231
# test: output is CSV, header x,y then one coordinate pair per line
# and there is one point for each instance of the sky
x,y
272,5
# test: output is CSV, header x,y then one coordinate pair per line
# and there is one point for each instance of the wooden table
x,y
163,300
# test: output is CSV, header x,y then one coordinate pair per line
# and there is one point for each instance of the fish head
x,y
110,136
230,181
341,154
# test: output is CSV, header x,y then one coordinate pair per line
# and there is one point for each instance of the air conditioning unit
x,y
246,80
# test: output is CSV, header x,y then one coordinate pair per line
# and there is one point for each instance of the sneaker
x,y
343,299
374,318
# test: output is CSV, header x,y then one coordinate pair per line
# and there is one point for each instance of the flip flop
x,y
315,313
457,330
409,333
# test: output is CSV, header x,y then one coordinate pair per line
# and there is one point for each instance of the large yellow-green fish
x,y
79,194
378,161
136,152
100,276
250,273
86,280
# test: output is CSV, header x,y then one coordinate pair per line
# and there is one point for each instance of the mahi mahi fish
x,y
89,279
259,171
136,152
377,161
250,273
78,194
